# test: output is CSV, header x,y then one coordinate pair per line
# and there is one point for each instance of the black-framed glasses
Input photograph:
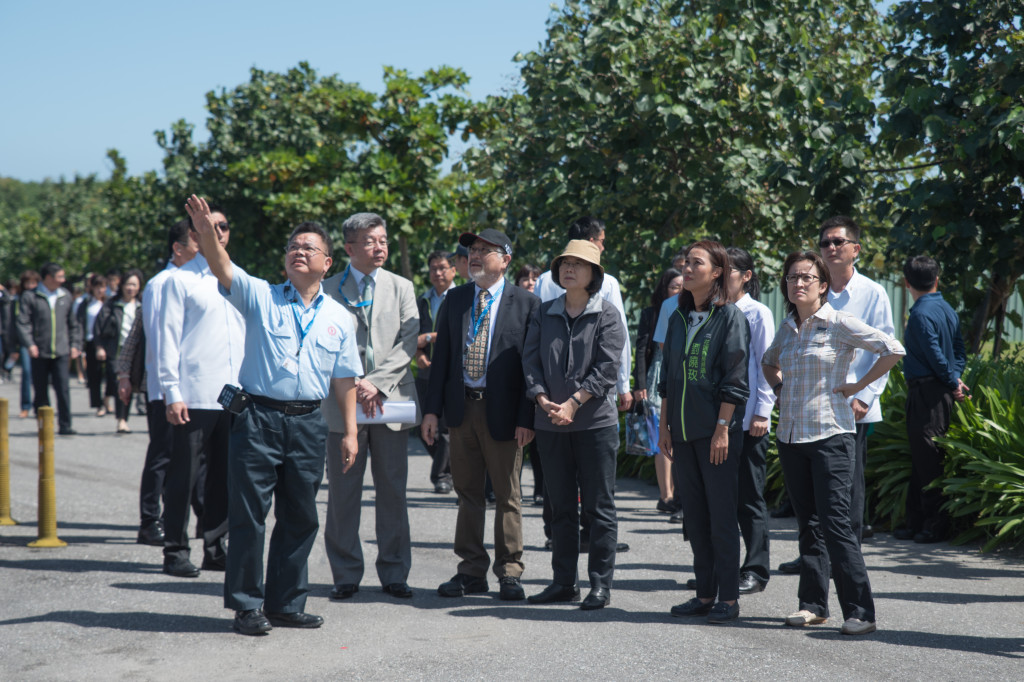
x,y
481,251
305,249
222,225
835,241
802,279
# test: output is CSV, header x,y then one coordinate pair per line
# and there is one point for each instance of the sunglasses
x,y
836,242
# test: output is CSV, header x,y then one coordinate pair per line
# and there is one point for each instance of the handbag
x,y
638,431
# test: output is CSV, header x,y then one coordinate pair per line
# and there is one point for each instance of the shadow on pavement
x,y
81,566
183,586
951,598
1009,647
132,621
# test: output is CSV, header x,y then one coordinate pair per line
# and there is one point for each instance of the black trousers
x,y
581,463
752,511
280,458
858,487
819,478
207,434
53,371
929,406
94,374
440,451
710,496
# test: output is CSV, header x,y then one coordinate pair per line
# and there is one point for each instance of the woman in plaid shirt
x,y
811,353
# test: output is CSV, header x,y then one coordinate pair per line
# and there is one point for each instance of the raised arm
x,y
216,256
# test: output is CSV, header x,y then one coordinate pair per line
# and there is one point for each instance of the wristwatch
x,y
723,422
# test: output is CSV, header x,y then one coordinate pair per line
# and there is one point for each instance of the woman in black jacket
x,y
113,323
704,391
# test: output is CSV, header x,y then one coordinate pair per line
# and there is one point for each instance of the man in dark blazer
x,y
477,385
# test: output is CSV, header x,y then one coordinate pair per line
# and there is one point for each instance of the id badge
x,y
289,365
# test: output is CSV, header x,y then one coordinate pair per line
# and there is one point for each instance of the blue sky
x,y
79,78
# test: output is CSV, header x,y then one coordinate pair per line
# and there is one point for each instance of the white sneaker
x,y
804,617
854,626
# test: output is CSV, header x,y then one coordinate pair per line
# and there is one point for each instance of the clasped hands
x,y
561,414
369,397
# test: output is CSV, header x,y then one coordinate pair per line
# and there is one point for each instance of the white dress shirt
x,y
547,290
151,302
762,333
202,338
867,301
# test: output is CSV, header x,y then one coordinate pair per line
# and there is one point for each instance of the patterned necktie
x,y
368,297
476,353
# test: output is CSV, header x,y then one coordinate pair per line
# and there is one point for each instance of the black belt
x,y
474,393
922,381
286,406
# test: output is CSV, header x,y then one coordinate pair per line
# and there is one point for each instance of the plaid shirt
x,y
126,354
815,359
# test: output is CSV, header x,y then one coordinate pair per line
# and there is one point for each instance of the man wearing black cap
x,y
476,383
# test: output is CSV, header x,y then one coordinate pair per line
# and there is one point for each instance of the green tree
x,y
954,114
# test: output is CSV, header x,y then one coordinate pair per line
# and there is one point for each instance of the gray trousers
x,y
388,454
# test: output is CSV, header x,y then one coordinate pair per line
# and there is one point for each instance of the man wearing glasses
x,y
382,306
865,299
200,348
477,385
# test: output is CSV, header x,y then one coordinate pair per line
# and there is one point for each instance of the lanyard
x,y
476,322
298,321
341,283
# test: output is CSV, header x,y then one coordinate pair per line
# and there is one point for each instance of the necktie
x,y
476,353
368,297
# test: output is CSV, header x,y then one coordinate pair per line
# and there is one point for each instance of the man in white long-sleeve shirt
x,y
200,348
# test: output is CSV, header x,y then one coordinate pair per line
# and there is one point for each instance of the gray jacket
x,y
561,357
55,331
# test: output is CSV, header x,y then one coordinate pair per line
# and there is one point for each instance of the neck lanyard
x,y
711,311
475,322
298,319
341,283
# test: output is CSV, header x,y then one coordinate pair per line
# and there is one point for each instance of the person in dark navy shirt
x,y
934,362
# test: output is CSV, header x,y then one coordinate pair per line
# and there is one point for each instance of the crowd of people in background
x,y
252,390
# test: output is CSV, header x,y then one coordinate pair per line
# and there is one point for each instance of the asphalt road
x,y
101,609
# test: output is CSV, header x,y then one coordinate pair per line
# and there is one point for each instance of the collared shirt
x,y
201,338
358,277
668,306
867,301
92,309
435,299
935,347
280,364
152,297
762,333
815,359
51,296
495,291
546,290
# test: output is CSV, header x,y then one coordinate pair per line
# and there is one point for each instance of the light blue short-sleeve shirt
x,y
280,361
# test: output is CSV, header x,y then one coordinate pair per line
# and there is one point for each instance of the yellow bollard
x,y
5,469
47,486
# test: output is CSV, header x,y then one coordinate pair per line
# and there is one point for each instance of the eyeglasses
x,y
802,279
440,268
481,251
222,225
572,265
305,249
835,241
370,243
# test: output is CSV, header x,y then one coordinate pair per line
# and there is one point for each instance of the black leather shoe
x,y
67,432
295,620
151,533
443,487
621,547
904,533
867,531
691,584
555,593
598,598
251,622
461,585
665,507
927,537
538,500
750,584
180,568
344,591
547,544
783,511
511,589
723,613
400,590
214,564
791,567
694,607
676,518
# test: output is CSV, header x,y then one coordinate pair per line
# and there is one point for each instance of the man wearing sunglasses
x,y
865,299
200,346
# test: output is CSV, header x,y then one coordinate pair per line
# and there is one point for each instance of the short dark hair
x,y
178,234
50,270
28,277
129,273
596,276
660,292
717,293
921,272
96,280
843,221
587,227
113,272
310,227
819,265
741,260
441,254
525,270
